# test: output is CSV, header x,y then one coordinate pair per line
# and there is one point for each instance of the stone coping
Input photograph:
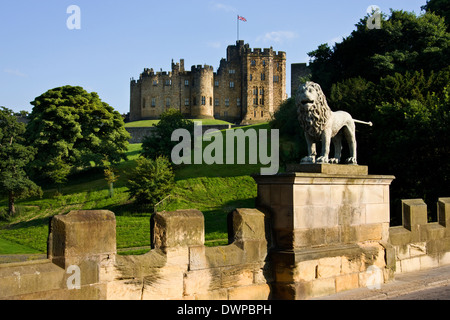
x,y
329,169
321,178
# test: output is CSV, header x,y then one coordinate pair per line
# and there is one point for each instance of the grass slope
x,y
213,189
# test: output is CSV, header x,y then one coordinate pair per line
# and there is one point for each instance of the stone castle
x,y
248,87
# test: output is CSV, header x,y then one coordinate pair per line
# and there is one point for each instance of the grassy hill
x,y
213,189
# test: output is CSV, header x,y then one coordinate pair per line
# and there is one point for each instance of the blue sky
x,y
118,39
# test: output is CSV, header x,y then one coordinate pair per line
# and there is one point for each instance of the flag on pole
x,y
242,19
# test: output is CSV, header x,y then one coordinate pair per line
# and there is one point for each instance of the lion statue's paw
x,y
308,160
323,160
351,161
334,161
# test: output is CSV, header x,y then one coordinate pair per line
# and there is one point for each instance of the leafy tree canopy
x,y
14,158
405,42
159,143
71,128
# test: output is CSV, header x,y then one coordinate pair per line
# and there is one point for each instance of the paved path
x,y
432,284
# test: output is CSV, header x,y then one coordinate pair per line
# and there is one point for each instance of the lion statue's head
x,y
312,108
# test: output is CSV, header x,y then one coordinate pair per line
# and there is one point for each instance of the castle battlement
x,y
200,68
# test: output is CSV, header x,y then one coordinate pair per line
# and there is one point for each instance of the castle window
x,y
255,101
251,77
210,101
155,82
238,102
216,102
264,63
231,71
255,91
167,102
225,114
227,102
261,101
276,78
253,63
186,101
261,91
168,82
262,114
143,103
203,101
153,102
231,84
263,76
186,83
216,83
254,114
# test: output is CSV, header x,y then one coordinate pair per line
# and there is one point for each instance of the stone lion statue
x,y
322,125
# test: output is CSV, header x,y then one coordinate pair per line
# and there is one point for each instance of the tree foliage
x,y
405,42
14,158
159,143
71,128
151,181
440,8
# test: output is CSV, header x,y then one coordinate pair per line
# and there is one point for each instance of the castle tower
x,y
202,92
135,100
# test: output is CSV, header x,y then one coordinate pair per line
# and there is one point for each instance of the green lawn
x,y
215,190
150,123
10,247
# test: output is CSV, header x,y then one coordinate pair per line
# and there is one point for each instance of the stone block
x,y
329,267
410,265
202,282
323,287
82,235
252,293
248,224
399,236
306,271
178,228
444,212
428,262
414,213
237,276
377,213
166,284
347,282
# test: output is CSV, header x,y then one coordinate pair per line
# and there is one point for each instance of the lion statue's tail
x,y
363,122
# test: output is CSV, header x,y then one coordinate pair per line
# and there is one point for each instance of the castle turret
x,y
203,92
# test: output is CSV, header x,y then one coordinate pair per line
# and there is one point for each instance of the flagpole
x,y
238,28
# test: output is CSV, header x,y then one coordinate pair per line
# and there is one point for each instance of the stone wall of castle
x,y
249,86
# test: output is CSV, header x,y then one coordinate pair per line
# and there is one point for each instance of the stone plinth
x,y
344,212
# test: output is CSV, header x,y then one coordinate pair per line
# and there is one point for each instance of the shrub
x,y
151,181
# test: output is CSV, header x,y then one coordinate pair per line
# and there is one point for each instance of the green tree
x,y
405,42
440,8
14,158
159,143
151,181
71,129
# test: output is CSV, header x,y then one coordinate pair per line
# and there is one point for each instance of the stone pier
x,y
330,229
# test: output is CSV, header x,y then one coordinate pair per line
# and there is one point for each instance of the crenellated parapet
x,y
420,244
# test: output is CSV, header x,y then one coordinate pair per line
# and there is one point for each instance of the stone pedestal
x,y
328,222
